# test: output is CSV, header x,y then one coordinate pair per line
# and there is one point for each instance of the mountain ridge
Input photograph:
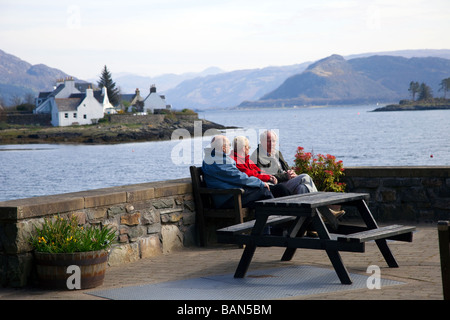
x,y
216,89
18,77
336,81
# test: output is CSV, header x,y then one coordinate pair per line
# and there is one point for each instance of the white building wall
x,y
91,108
88,111
55,114
154,101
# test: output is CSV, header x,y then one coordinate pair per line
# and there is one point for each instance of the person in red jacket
x,y
240,154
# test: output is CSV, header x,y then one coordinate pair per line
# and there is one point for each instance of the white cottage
x,y
154,101
72,103
71,111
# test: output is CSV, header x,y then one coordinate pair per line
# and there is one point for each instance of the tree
x,y
414,88
16,100
107,82
425,92
445,86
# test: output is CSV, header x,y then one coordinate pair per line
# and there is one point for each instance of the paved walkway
x,y
419,270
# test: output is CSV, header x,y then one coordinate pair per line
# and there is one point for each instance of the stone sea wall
x,y
150,219
159,218
403,193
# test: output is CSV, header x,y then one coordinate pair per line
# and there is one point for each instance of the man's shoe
x,y
312,234
337,214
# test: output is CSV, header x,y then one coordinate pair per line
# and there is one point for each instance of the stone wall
x,y
150,219
149,119
403,193
157,218
30,119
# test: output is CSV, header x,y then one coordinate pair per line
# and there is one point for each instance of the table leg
x,y
298,230
250,248
381,243
333,255
387,253
339,267
244,263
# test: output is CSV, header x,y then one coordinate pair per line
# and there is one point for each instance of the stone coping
x,y
399,172
34,207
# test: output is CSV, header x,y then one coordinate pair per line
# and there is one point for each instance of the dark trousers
x,y
279,190
251,195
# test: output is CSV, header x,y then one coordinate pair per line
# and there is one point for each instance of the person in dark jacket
x,y
220,172
271,161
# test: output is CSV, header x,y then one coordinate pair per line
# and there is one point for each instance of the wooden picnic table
x,y
298,213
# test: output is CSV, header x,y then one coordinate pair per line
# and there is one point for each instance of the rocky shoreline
x,y
412,107
104,133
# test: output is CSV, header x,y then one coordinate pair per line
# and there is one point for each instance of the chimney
x,y
152,88
89,92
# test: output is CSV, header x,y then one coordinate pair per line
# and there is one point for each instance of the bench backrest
x,y
198,181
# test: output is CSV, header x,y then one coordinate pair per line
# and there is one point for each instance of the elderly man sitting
x,y
271,161
220,172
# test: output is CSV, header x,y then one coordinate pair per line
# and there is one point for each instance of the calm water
x,y
352,134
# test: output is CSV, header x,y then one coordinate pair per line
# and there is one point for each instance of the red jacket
x,y
249,167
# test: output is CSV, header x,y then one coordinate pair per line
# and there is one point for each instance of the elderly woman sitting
x,y
240,154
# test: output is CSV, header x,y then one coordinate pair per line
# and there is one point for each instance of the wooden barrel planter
x,y
52,268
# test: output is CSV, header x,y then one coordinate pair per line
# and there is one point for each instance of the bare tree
x,y
445,86
414,88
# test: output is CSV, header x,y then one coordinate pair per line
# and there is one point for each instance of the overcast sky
x,y
153,37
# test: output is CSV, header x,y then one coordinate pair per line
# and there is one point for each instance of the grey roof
x,y
68,104
98,95
44,95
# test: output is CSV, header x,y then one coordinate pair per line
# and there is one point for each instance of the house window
x,y
75,115
84,116
66,115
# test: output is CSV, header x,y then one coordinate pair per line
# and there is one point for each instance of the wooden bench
x,y
205,209
232,233
444,252
393,232
299,213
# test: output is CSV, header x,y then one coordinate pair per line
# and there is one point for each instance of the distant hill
x,y
129,82
417,53
230,88
373,79
18,77
361,78
396,73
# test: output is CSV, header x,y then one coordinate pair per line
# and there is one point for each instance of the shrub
x,y
59,235
323,169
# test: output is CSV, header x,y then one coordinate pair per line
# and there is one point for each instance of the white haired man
x,y
271,161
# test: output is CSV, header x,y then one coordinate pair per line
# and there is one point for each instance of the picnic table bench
x,y
298,213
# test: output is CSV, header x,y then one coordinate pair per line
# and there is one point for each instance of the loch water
x,y
353,134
